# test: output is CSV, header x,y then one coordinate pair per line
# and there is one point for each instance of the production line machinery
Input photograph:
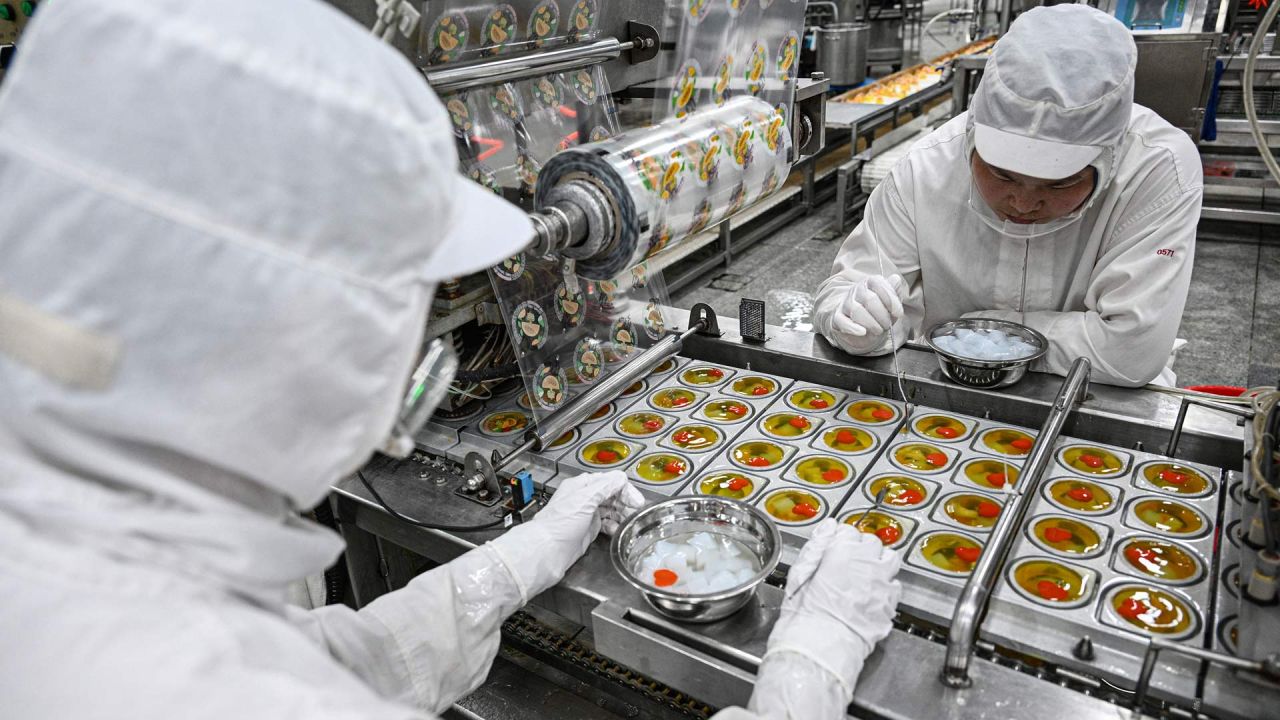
x,y
788,416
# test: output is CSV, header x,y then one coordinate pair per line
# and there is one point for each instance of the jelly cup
x,y
1052,583
1005,441
1158,559
792,506
870,412
1085,497
729,483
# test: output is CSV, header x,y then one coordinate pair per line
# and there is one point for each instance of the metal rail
x,y
530,64
1268,668
977,591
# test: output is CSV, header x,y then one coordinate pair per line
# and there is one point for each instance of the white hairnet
x,y
221,224
1056,94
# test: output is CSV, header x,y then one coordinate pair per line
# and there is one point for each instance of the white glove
x,y
539,552
839,602
866,313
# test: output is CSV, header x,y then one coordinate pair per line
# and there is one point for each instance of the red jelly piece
x,y
798,422
845,437
759,390
738,483
1050,590
910,496
679,400
1092,461
804,509
1173,478
663,577
882,414
1137,555
1131,608
682,437
818,403
606,456
968,554
936,459
946,432
1057,535
758,461
1021,444
673,468
888,534
652,424
833,475
716,373
737,410
1081,494
996,479
988,509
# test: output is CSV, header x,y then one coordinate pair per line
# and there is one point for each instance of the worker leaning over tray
x,y
1055,202
221,227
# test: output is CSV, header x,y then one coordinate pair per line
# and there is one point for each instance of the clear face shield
x,y
428,387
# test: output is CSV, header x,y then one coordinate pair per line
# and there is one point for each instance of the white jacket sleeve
x,y
429,643
1134,300
884,243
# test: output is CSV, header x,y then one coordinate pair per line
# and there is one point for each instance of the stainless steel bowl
x,y
717,515
985,373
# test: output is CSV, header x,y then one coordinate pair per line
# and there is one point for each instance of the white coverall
x,y
1109,286
221,225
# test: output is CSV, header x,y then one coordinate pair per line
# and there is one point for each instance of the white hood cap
x,y
1056,93
220,228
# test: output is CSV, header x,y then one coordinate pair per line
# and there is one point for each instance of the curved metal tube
x,y
526,65
977,591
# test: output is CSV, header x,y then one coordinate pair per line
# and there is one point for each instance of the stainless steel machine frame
x,y
716,662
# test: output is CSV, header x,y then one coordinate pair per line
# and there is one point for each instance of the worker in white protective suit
x,y
221,226
1054,201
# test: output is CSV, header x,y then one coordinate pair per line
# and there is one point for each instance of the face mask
x,y
428,387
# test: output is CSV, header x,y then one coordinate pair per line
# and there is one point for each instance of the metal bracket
x,y
488,313
1176,434
702,313
482,483
646,42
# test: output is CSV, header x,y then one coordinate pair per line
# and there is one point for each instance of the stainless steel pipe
x,y
977,591
462,76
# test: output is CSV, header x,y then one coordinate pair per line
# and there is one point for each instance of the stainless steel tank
x,y
842,52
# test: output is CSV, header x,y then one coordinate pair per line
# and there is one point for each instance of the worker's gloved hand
x,y
539,552
839,602
866,313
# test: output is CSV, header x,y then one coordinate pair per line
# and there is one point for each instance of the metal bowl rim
x,y
767,565
1041,341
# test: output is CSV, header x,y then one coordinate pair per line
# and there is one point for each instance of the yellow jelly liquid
x,y
1029,576
822,470
862,440
979,471
874,522
674,398
591,452
1082,541
1068,493
703,375
1176,478
768,453
634,424
940,426
915,456
1160,559
725,410
665,366
780,424
565,439
657,468
1002,440
506,422
865,411
634,388
1152,610
807,399
601,412
965,509
898,494
694,437
1169,516
723,484
782,506
748,386
940,550
1076,456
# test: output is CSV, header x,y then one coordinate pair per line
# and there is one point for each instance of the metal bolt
x,y
423,475
1084,649
817,75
